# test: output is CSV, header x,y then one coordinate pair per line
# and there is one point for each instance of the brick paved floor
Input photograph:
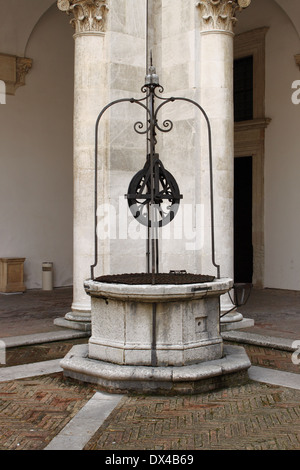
x,y
254,416
250,417
271,358
34,410
39,352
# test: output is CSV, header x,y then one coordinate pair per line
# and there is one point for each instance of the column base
x,y
77,319
78,316
236,325
73,324
234,321
233,316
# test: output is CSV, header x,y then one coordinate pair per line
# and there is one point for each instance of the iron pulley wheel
x,y
156,207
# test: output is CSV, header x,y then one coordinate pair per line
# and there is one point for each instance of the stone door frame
x,y
249,140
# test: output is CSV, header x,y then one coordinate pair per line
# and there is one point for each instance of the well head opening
x,y
176,278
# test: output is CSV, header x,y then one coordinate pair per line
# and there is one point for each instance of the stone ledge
x,y
243,337
211,375
41,338
73,325
157,292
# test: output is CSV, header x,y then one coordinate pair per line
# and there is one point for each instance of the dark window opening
x,y
243,89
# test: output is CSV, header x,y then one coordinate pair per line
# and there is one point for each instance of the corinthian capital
x,y
23,66
89,15
220,15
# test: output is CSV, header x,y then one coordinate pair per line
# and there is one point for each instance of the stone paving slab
x,y
40,338
88,420
275,377
246,337
30,370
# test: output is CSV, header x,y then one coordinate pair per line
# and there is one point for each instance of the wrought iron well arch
x,y
147,102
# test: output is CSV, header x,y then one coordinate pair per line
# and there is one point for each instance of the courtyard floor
x,y
41,409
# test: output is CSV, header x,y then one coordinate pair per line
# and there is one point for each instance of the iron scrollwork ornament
x,y
153,193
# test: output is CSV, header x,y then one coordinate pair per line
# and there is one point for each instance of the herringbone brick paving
x,y
39,352
271,358
254,416
250,417
34,410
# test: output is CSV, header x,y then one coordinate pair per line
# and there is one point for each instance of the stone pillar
x,y
89,22
217,19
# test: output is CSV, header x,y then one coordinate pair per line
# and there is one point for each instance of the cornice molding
x,y
259,123
89,16
220,15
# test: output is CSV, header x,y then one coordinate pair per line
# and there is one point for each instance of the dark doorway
x,y
243,250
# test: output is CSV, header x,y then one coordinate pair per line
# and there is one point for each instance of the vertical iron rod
x,y
147,140
153,345
152,180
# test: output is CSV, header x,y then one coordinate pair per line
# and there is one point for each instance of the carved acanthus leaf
x,y
220,14
89,15
23,66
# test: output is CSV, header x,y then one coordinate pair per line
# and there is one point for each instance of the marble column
x,y
88,17
217,19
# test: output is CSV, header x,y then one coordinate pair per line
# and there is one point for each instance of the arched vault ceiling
x,y
292,9
18,18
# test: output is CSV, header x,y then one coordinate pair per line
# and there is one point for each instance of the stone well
x,y
161,338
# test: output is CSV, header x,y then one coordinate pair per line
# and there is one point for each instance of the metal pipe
x,y
153,344
147,140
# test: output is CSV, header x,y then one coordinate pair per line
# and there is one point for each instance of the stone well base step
x,y
230,370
